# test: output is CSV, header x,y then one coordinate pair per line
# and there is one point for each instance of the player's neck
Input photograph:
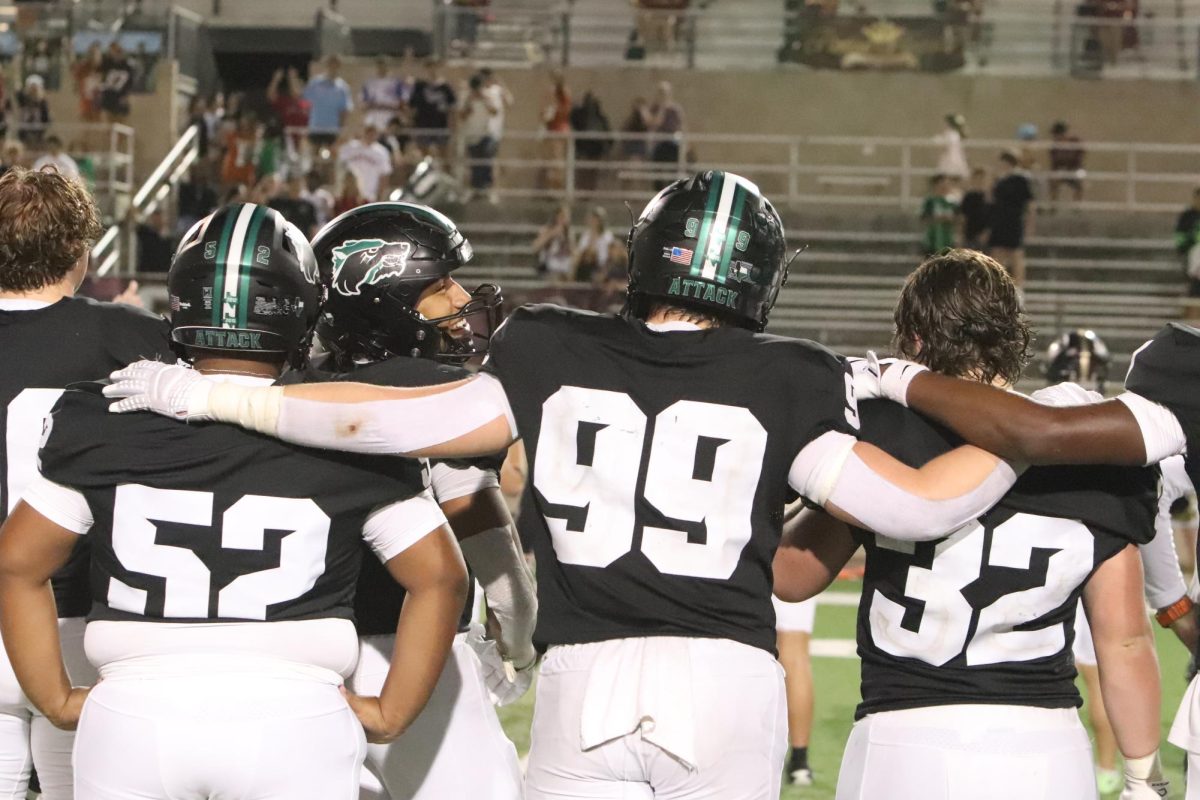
x,y
237,366
661,316
50,293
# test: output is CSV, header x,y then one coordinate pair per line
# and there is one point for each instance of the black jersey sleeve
x,y
1166,370
132,334
78,446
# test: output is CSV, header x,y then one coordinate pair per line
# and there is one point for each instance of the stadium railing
x,y
115,253
1042,37
868,171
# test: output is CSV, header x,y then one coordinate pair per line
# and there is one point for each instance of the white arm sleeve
x,y
496,559
384,427
827,470
453,482
392,529
1161,431
1164,579
60,504
889,510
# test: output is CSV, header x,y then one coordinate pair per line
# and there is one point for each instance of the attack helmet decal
x,y
381,259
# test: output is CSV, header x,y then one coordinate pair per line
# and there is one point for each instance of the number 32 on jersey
x,y
702,470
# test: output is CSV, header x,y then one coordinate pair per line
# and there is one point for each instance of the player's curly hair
x,y
959,314
48,222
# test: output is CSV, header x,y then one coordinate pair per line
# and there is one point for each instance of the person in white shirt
x,y
57,158
381,96
368,160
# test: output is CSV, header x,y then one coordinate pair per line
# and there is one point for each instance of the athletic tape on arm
x,y
499,565
386,427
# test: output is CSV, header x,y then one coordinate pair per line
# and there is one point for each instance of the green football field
x,y
836,689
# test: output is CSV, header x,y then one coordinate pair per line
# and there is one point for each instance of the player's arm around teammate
x,y
855,481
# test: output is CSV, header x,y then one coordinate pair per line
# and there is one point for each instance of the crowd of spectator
x,y
965,207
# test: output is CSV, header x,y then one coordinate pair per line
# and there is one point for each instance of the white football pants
x,y
735,706
982,752
27,738
455,748
228,735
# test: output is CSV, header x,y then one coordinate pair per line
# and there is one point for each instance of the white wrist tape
x,y
253,407
500,568
891,511
1146,768
896,378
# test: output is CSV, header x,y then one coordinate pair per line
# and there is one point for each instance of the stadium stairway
x,y
842,289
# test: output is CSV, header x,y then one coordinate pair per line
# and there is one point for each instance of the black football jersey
x,y
987,614
658,465
41,351
210,523
1167,370
379,598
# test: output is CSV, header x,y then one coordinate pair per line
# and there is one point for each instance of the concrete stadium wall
x,y
867,104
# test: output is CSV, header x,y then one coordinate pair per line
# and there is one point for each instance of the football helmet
x,y
712,243
375,262
244,280
1079,356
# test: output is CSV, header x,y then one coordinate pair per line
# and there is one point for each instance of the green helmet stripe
x,y
710,208
731,232
219,271
231,287
243,296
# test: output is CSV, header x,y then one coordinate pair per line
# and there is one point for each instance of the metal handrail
x,y
116,246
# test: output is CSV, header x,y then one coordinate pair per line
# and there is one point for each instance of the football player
x,y
48,339
223,563
661,446
966,642
415,309
1081,357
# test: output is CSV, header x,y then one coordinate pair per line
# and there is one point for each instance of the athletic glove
x,y
887,378
172,390
1144,779
505,683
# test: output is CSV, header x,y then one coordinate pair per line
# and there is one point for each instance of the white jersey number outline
x,y
188,582
721,497
944,631
24,423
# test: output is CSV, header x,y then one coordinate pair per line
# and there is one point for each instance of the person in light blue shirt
x,y
331,100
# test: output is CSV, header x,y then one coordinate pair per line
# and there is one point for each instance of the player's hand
x,y
370,714
867,374
505,682
1066,394
67,715
1144,779
172,390
130,296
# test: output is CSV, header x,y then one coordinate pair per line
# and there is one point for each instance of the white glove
x,y
1144,779
887,378
505,683
172,390
1066,394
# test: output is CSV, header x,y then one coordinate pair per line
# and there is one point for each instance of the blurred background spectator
x,y
976,210
320,197
294,206
952,161
241,152
589,258
33,112
56,158
940,213
368,160
433,102
552,247
154,243
556,119
329,101
1012,215
116,83
1066,162
87,74
588,118
381,96
475,118
197,197
666,122
349,197
285,96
